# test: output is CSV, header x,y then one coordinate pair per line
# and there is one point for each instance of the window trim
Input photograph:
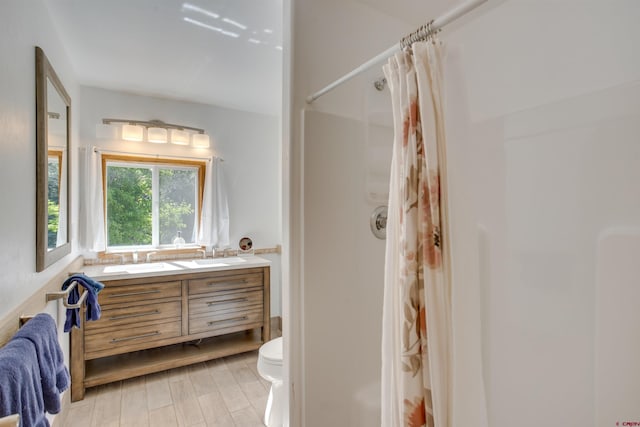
x,y
158,161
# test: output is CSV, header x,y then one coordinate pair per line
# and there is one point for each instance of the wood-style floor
x,y
226,392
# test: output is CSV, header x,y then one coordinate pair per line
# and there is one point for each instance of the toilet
x,y
270,368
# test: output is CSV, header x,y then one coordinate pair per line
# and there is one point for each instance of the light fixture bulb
x,y
200,140
132,132
157,135
179,137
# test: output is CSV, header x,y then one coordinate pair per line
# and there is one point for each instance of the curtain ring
x,y
424,33
403,43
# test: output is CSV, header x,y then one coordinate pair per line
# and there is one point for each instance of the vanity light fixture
x,y
179,137
200,140
157,132
132,132
157,135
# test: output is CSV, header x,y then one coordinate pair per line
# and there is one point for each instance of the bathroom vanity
x,y
160,316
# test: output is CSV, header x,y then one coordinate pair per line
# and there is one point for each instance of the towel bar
x,y
10,421
51,296
25,318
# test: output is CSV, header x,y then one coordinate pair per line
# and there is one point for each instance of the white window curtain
x,y
92,227
214,223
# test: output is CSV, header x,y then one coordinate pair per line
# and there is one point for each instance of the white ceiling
x,y
414,12
178,48
193,49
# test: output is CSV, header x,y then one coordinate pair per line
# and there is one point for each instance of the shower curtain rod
x,y
434,27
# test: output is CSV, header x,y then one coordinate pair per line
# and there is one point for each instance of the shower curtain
x,y
417,328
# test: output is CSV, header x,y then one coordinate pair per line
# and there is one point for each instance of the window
x,y
149,202
54,160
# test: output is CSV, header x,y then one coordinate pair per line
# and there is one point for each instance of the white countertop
x,y
166,268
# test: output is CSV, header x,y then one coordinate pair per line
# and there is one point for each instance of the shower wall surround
x,y
337,162
552,165
544,165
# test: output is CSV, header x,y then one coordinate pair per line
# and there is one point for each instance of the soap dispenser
x,y
178,241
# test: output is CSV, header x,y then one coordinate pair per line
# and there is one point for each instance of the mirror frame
x,y
44,73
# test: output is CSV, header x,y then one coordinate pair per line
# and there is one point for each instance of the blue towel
x,y
54,375
32,373
20,386
93,308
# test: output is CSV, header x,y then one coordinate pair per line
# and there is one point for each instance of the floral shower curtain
x,y
417,332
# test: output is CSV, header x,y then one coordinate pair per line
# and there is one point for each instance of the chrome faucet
x,y
149,255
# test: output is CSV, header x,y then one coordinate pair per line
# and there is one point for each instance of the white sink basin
x,y
211,262
222,261
140,268
112,272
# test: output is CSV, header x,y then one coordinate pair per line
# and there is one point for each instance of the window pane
x,y
178,204
53,192
128,206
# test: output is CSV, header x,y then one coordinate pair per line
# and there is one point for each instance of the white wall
x,y
24,25
545,164
249,143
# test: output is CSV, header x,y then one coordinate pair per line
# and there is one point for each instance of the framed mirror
x,y
53,111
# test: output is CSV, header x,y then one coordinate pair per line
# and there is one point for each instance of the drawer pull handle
x,y
129,316
129,294
137,337
228,301
235,319
231,282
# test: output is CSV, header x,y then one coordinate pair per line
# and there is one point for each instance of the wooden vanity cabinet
x,y
156,323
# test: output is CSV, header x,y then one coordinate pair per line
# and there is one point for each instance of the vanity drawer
x,y
224,283
225,302
126,338
134,293
133,315
226,322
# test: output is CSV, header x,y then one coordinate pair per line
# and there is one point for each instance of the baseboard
x,y
276,323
